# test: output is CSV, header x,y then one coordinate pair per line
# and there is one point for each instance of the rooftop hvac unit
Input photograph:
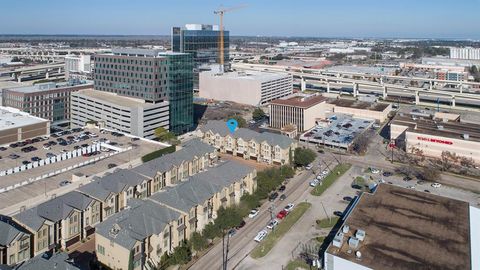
x,y
466,136
353,242
346,229
338,240
360,235
358,254
440,127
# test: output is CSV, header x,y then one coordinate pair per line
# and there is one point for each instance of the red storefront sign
x,y
434,140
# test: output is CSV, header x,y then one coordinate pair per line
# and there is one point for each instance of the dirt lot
x,y
221,110
252,163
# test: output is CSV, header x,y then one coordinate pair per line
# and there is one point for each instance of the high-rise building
x,y
152,75
78,67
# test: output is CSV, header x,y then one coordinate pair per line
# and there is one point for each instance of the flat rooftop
x,y
14,118
114,98
355,104
300,101
362,69
46,87
408,229
250,75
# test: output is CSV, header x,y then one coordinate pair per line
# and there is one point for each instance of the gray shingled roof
x,y
54,210
115,182
8,232
140,220
220,127
202,186
164,163
57,261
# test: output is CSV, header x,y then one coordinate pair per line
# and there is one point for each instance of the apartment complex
x,y
151,75
16,125
141,233
68,219
78,67
202,41
264,147
124,114
45,100
435,133
402,228
251,88
465,53
15,246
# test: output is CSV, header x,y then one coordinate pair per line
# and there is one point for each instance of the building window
x,y
101,249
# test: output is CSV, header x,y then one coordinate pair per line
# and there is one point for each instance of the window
x,y
100,249
12,259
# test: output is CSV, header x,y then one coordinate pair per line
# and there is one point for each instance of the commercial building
x,y
465,53
124,114
78,67
14,243
445,74
264,147
443,61
140,234
436,132
202,41
16,125
45,100
360,109
300,110
252,88
152,75
399,228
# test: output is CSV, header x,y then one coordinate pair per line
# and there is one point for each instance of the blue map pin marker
x,y
232,124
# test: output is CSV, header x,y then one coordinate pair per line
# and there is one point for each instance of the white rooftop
x,y
113,98
14,118
250,75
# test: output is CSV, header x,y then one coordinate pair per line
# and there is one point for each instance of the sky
x,y
309,18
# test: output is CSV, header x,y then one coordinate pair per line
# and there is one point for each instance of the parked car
x,y
314,183
26,162
35,159
387,174
232,232
374,171
111,165
3,148
309,167
253,213
347,198
283,197
49,155
273,196
64,183
407,178
282,188
282,214
241,225
436,185
289,207
338,213
260,236
272,224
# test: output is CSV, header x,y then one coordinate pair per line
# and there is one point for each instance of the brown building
x,y
16,125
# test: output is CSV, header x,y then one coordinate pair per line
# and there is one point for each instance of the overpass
x,y
326,80
46,70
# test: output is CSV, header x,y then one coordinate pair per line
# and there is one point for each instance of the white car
x,y
46,147
314,183
272,224
253,213
289,207
309,167
261,235
374,171
320,176
411,187
436,185
324,172
381,181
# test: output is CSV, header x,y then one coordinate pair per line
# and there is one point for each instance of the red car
x,y
282,214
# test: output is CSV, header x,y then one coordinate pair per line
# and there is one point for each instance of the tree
x,y
211,231
427,174
360,145
199,242
303,156
164,135
181,254
228,218
258,114
240,120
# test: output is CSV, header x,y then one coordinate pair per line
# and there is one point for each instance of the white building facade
x,y
465,53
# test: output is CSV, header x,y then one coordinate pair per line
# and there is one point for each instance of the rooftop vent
x,y
346,229
358,254
360,235
440,127
353,242
338,240
466,136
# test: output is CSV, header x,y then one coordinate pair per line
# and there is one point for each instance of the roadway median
x,y
336,173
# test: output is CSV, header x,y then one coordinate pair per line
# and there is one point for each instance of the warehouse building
x,y
251,88
124,114
16,125
399,228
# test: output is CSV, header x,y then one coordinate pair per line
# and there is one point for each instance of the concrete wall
x,y
115,256
333,262
12,135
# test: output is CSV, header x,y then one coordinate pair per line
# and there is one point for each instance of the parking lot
x,y
51,185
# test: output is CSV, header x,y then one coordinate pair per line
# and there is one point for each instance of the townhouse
x,y
57,261
263,147
14,243
146,229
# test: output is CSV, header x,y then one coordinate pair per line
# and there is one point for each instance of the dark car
x,y
347,198
273,196
3,148
241,225
111,165
26,162
282,188
283,197
427,191
387,174
134,139
84,145
13,145
338,213
407,178
35,159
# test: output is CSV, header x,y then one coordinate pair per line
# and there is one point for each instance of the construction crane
x,y
221,12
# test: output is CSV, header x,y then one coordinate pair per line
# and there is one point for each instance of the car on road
x,y
282,214
387,174
232,232
272,224
314,183
374,171
282,188
273,196
338,213
436,185
309,167
283,197
64,183
260,236
253,213
347,198
289,207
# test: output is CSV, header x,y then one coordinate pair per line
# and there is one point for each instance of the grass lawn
x,y
283,227
338,171
326,223
293,265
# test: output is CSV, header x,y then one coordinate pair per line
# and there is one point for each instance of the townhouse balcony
x,y
24,246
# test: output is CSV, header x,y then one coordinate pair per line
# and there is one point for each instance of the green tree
x,y
258,114
199,242
164,135
228,218
181,254
303,156
211,231
240,120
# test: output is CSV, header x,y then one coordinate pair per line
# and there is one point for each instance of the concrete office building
x,y
436,133
45,100
399,228
124,114
465,53
251,88
202,41
445,74
78,67
152,75
16,125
